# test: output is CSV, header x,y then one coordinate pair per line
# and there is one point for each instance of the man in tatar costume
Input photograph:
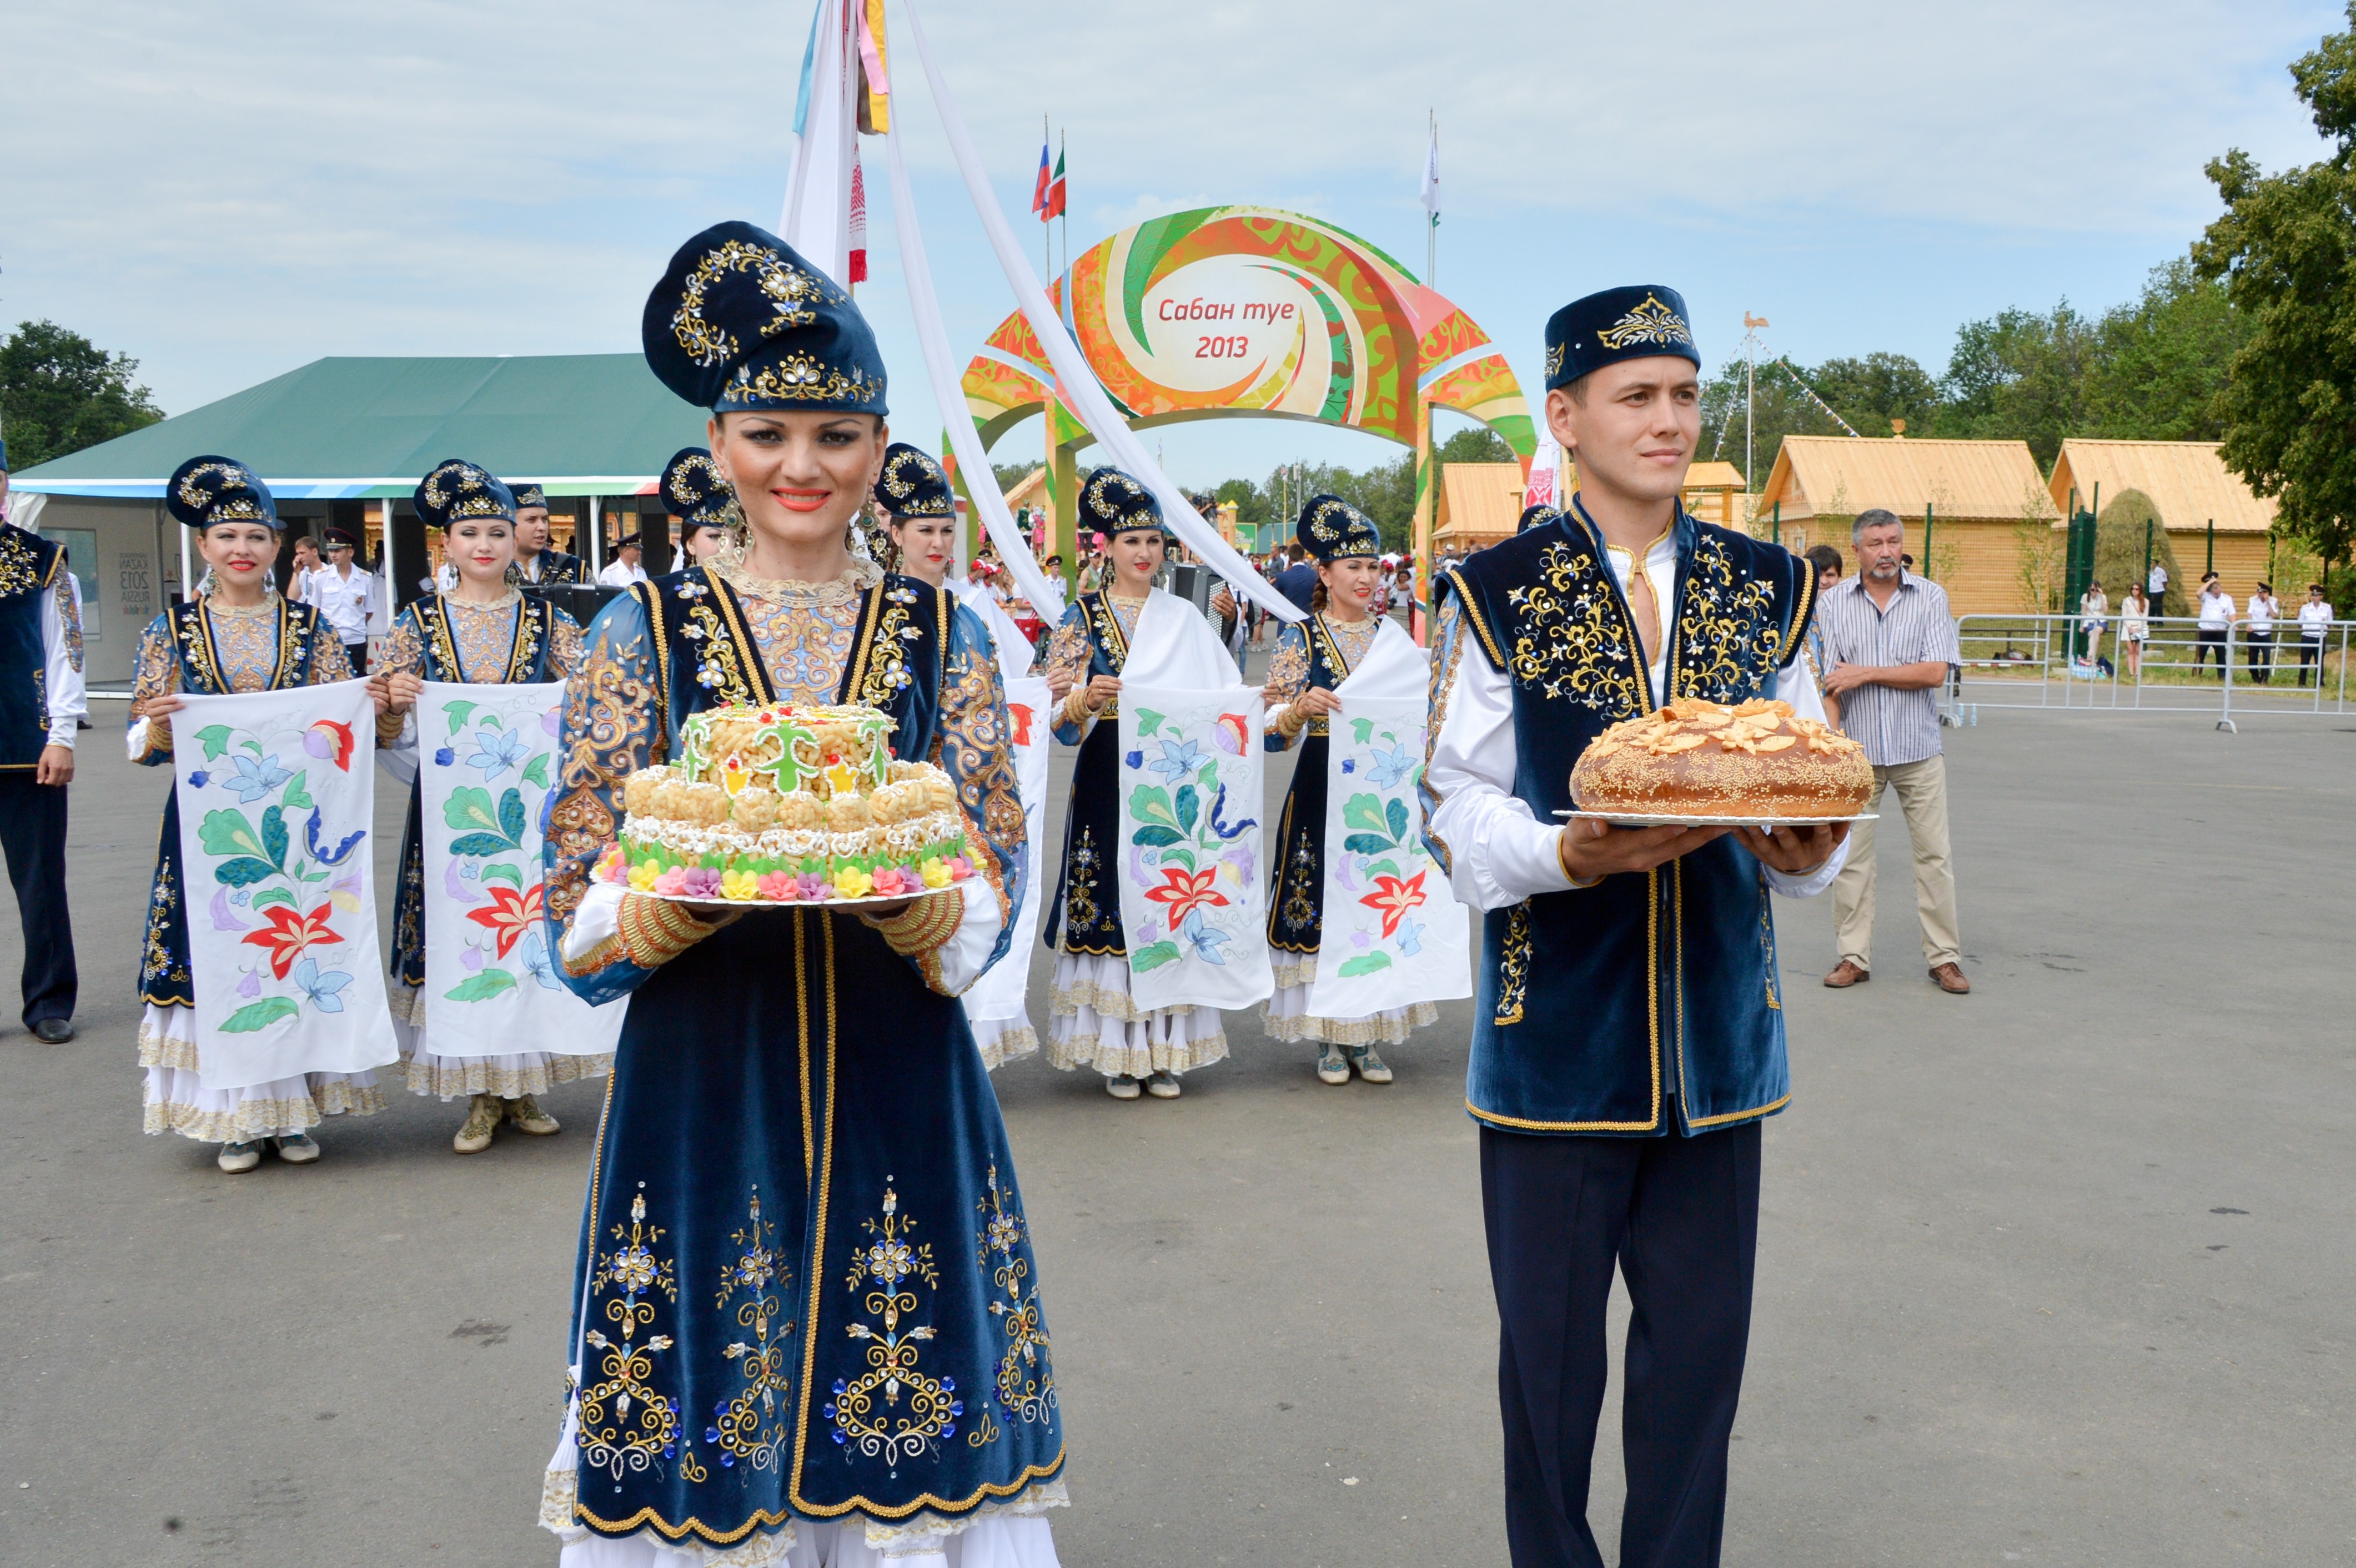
x,y
537,562
41,705
1628,1036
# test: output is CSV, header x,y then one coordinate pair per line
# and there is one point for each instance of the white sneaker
x,y
296,1148
239,1159
1121,1087
1333,1066
1163,1086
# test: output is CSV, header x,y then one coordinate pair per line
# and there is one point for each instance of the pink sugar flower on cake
x,y
779,888
671,883
959,868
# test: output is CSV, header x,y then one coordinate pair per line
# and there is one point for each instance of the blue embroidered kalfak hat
x,y
1112,503
913,484
740,320
693,489
457,488
1332,529
1536,518
208,490
529,494
1639,322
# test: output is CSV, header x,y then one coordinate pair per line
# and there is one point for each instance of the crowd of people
x,y
791,1091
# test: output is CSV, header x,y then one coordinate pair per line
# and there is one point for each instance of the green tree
x,y
2019,375
1251,506
59,392
2160,362
2286,251
1872,391
1010,474
1474,443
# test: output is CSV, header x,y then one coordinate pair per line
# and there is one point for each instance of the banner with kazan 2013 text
x,y
277,802
487,763
1190,868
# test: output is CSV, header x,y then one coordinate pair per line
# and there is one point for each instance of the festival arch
x,y
1232,310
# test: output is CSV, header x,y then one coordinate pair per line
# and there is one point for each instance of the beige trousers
x,y
1922,791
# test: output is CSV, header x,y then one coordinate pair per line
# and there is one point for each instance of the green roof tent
x,y
580,424
336,435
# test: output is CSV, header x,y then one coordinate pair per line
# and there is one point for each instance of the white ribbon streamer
x,y
1078,382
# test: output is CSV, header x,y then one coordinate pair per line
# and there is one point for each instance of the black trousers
x,y
2310,651
2262,657
2204,641
357,653
1679,1217
33,836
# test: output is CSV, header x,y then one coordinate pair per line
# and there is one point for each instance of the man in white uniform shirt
x,y
624,569
2216,612
2314,624
345,595
2156,589
1892,644
2265,610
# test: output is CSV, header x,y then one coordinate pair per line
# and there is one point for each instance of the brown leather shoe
x,y
1950,980
1847,974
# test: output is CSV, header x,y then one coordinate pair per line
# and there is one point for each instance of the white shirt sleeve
x,y
61,651
1797,685
1499,853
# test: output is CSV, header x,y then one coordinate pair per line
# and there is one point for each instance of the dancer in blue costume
x,y
807,1323
482,632
1312,657
235,635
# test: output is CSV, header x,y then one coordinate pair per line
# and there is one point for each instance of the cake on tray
x,y
1702,759
789,803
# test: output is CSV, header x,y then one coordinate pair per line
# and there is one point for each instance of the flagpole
x,y
1431,220
1046,229
1064,212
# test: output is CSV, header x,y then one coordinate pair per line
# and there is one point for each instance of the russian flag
x,y
1039,191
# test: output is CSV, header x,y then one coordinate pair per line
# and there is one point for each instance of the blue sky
x,y
226,191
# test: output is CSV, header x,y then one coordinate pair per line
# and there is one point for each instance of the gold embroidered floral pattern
x,y
1025,1383
70,618
1651,321
800,378
804,631
887,674
1067,650
244,642
1728,641
866,1410
609,734
1300,911
1081,912
748,1427
1288,671
163,978
625,1423
790,289
1571,639
973,745
20,562
1514,970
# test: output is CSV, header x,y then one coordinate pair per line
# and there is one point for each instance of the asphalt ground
x,y
2058,1274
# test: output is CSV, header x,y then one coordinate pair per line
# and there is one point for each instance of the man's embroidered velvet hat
x,y
1639,322
1332,529
456,489
740,322
208,490
1113,503
913,484
1536,518
529,496
693,489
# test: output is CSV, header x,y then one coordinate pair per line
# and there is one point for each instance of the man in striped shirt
x,y
1890,644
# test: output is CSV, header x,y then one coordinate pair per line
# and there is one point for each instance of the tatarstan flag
x,y
1055,191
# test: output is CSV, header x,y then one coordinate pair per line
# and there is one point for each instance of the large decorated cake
x,y
1698,758
788,804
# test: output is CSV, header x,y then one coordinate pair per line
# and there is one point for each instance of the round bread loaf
x,y
1698,758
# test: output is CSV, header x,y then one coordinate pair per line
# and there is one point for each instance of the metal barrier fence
x,y
2063,662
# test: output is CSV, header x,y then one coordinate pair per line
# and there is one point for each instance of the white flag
x,y
1431,176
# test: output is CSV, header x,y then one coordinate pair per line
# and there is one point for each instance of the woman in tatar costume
x,y
487,633
807,1319
919,510
1313,659
1097,1023
235,636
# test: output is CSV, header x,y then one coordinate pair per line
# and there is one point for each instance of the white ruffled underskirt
x,y
178,1101
1286,1015
510,1077
1004,1040
1098,1026
1012,1533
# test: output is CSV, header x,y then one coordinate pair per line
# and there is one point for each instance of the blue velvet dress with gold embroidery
x,y
1598,1006
805,1287
1091,640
